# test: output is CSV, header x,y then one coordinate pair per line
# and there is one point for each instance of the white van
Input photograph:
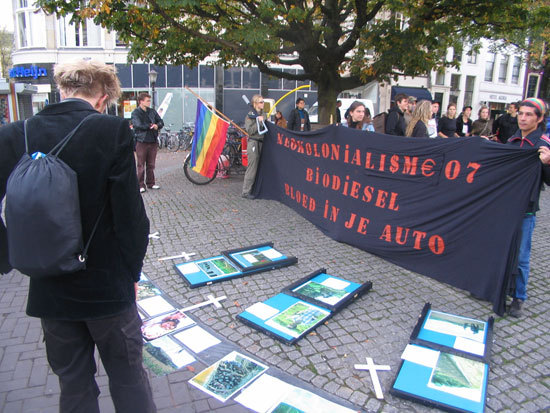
x,y
346,103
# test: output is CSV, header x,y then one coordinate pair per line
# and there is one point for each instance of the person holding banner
x,y
529,135
254,144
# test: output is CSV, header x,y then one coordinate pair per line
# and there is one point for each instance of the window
x,y
251,78
471,56
455,83
31,25
515,70
469,90
503,70
232,78
206,76
533,85
85,34
440,77
489,67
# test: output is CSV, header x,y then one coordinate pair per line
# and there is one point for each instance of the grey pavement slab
x,y
211,218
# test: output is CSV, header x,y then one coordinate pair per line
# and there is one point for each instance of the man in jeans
x,y
529,135
147,123
95,307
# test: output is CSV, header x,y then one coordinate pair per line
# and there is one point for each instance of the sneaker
x,y
155,187
141,190
515,308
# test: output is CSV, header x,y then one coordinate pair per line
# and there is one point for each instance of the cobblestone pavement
x,y
209,219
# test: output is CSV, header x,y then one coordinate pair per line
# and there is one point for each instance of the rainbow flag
x,y
208,140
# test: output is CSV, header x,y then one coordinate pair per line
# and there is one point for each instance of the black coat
x,y
420,130
101,154
294,121
395,122
505,126
142,121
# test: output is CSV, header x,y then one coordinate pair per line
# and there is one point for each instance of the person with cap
x,y
408,114
529,135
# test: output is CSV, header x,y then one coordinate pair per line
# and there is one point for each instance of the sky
x,y
6,16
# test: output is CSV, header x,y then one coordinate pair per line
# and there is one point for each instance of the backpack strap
x,y
84,256
56,150
25,132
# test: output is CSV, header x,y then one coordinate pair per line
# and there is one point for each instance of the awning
x,y
418,92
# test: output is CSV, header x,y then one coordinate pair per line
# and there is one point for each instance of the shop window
x,y
206,76
251,78
174,76
191,76
232,78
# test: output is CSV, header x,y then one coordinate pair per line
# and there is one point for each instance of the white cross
x,y
211,300
184,254
155,235
371,367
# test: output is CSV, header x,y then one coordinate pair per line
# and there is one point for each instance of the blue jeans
x,y
524,255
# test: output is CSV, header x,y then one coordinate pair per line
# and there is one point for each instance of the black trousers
x,y
70,350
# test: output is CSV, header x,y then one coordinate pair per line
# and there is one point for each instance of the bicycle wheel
x,y
173,142
187,141
195,177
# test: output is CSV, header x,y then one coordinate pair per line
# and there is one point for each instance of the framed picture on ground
x,y
208,270
260,257
454,334
165,324
228,375
327,290
443,380
284,317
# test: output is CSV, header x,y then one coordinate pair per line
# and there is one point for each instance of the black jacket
x,y
420,130
142,121
395,122
505,126
101,154
294,120
534,140
447,126
460,125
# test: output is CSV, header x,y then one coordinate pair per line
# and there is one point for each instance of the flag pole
x,y
217,111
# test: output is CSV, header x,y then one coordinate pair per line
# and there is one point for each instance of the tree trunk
x,y
328,90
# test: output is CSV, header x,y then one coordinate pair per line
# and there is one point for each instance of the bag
x,y
379,122
43,222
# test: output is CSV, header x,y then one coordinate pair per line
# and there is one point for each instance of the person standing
x,y
408,114
418,126
434,120
446,128
483,126
254,145
94,307
338,114
529,135
395,122
464,123
506,125
280,119
357,118
298,120
147,124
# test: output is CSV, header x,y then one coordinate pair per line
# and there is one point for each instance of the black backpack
x,y
43,221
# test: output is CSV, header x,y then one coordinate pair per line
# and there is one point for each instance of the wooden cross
x,y
371,367
184,254
211,300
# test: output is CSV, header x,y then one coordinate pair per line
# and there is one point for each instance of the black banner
x,y
450,209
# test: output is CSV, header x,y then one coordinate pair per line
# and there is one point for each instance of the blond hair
x,y
422,113
89,79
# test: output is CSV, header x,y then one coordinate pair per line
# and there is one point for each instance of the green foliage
x,y
339,44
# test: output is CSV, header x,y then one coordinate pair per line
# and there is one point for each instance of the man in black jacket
x,y
147,123
94,307
395,122
506,125
298,119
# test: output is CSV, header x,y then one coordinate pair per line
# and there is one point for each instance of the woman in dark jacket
x,y
418,126
464,123
446,127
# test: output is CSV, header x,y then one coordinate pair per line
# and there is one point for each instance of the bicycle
x,y
229,162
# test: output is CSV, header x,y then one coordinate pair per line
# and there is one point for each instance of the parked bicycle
x,y
229,162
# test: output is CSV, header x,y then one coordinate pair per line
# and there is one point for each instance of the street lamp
x,y
153,80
